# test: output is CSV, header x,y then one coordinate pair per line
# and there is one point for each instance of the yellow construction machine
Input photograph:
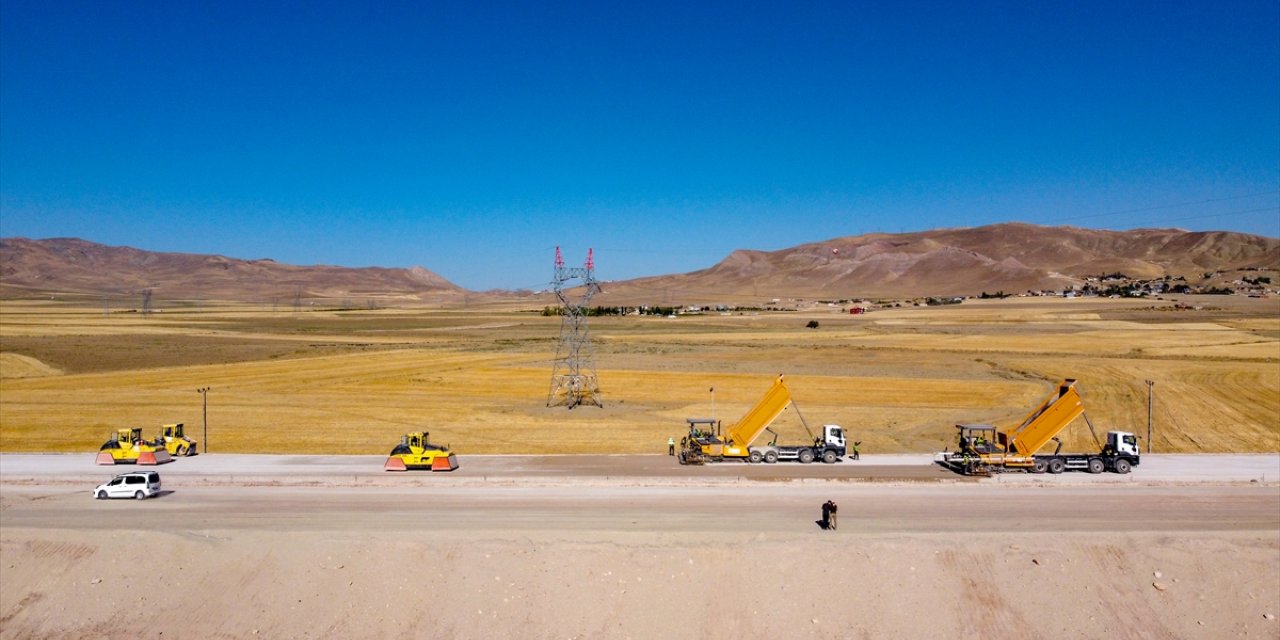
x,y
415,452
983,449
176,442
126,446
706,441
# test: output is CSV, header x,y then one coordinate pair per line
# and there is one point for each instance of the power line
x,y
1166,206
1224,213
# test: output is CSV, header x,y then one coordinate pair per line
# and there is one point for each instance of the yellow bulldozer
x,y
176,442
126,446
414,452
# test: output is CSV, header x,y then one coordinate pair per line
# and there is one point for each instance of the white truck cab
x,y
1122,443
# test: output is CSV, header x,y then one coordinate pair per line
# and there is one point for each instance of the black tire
x,y
771,457
1057,466
755,456
1039,466
1122,466
140,496
806,456
180,451
1096,465
829,457
102,495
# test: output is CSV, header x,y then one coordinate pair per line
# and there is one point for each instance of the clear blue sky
x,y
472,138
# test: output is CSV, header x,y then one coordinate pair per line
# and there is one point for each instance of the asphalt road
x,y
640,493
607,509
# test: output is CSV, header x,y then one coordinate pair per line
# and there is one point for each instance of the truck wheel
x,y
1039,466
829,457
754,457
1096,465
1122,466
771,457
806,456
1057,466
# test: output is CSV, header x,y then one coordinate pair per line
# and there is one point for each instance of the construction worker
x,y
671,445
832,515
855,449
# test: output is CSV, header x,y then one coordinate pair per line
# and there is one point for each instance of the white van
x,y
138,484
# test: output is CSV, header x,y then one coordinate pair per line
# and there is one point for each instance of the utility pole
x,y
1150,403
204,410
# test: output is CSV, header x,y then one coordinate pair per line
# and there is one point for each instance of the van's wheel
x,y
1039,466
829,457
1122,466
102,495
1057,466
771,457
1096,465
754,457
140,495
806,456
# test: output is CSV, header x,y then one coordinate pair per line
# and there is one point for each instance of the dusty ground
x,y
554,548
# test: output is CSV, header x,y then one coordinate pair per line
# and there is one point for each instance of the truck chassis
x,y
1047,463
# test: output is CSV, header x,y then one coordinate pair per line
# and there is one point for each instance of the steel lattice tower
x,y
573,380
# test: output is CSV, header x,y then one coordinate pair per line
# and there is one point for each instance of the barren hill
x,y
77,266
1011,257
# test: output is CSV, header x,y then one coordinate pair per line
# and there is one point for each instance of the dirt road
x,y
569,552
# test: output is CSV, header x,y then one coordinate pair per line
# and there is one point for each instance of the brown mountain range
x,y
76,266
1009,257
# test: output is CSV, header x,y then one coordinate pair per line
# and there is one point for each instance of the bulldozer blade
x,y
105,458
394,464
445,463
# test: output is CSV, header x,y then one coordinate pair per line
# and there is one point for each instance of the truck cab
x,y
1122,443
833,436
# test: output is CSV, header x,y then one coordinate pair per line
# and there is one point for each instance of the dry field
x,y
477,378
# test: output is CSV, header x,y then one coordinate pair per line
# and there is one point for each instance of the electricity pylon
x,y
573,380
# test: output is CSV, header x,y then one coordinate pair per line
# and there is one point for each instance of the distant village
x,y
1246,282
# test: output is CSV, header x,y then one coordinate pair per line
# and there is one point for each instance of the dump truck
x,y
126,446
415,453
176,442
983,449
708,442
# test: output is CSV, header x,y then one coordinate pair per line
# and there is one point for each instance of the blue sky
x,y
472,138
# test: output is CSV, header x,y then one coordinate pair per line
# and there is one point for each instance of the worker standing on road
x,y
671,446
855,449
826,515
832,515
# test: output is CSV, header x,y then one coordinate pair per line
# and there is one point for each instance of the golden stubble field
x,y
477,378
